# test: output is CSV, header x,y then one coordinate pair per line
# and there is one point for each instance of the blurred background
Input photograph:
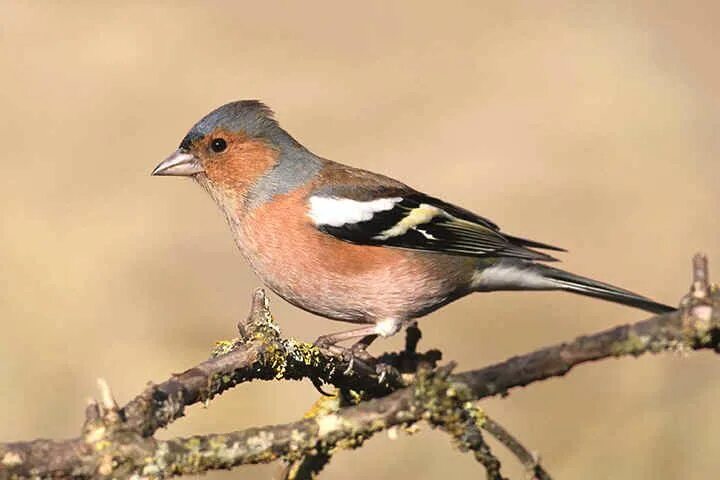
x,y
594,127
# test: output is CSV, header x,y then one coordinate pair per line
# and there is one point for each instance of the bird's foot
x,y
357,357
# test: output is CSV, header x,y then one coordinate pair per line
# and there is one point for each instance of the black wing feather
x,y
451,230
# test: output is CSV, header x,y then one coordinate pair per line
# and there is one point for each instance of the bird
x,y
352,245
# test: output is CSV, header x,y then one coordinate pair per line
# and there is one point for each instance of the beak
x,y
179,164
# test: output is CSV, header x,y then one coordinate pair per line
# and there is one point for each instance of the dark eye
x,y
218,145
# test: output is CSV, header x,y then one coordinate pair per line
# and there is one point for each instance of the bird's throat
x,y
230,204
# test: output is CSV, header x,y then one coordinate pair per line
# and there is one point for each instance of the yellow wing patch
x,y
417,216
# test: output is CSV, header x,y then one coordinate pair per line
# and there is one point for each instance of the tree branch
x,y
530,461
260,353
119,443
468,436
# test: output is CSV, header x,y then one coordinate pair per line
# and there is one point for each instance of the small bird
x,y
353,245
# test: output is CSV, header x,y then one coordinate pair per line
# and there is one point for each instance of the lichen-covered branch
x,y
466,430
530,461
118,442
309,466
676,331
260,353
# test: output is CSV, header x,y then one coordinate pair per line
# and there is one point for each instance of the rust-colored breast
x,y
341,280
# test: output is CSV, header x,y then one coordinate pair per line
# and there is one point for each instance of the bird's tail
x,y
592,288
523,275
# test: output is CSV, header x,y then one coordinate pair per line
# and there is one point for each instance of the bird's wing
x,y
405,218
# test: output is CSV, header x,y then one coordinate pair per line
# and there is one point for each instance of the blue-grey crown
x,y
251,117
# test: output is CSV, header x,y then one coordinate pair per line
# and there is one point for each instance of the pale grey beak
x,y
180,164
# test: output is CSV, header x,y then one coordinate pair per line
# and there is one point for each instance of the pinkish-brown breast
x,y
341,280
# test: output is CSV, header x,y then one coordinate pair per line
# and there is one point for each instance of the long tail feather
x,y
514,274
592,288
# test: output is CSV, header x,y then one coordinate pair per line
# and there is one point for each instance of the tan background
x,y
590,126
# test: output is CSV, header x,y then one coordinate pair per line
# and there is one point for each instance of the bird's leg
x,y
332,339
357,353
362,345
367,335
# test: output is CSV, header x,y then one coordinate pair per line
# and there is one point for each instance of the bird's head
x,y
230,148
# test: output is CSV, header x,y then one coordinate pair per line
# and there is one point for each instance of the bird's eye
x,y
218,145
